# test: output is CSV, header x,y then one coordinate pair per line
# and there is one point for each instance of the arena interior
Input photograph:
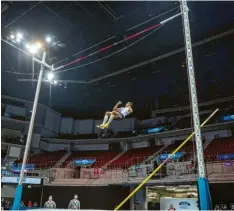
x,y
65,64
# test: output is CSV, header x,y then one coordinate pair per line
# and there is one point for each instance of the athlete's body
x,y
117,113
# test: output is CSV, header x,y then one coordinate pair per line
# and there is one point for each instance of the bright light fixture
x,y
27,46
19,35
50,76
12,36
55,82
18,40
32,49
48,39
38,45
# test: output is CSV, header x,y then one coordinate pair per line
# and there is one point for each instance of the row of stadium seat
x,y
221,146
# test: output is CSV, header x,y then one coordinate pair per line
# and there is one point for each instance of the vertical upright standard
x,y
203,185
18,193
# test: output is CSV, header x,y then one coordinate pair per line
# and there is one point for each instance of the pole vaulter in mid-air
x,y
117,113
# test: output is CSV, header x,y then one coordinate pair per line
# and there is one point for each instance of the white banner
x,y
173,204
15,180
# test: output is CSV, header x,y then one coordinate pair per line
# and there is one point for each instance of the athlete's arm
x,y
116,106
130,110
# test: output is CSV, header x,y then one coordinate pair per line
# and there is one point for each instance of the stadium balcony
x,y
75,137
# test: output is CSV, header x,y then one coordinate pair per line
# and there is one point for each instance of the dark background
x,y
105,197
222,193
31,193
156,85
108,197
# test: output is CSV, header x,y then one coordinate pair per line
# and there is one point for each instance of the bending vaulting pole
x,y
163,163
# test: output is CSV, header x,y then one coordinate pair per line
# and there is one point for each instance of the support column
x,y
203,185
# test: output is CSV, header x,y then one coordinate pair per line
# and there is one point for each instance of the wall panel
x,y
66,125
85,126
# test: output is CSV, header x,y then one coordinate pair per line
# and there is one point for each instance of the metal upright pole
x,y
18,193
204,194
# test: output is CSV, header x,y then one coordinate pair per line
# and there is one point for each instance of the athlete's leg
x,y
114,114
107,115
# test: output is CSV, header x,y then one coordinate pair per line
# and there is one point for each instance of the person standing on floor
x,y
50,204
74,203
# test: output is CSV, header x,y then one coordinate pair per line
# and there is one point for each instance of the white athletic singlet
x,y
124,111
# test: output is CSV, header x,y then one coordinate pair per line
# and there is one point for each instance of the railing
x,y
10,140
172,172
181,172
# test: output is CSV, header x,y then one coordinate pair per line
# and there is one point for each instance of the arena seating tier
x,y
219,146
101,157
133,157
45,159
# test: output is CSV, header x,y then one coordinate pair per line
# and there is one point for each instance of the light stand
x,y
18,193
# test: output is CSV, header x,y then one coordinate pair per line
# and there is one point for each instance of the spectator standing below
x,y
35,204
74,203
22,204
2,203
29,204
50,204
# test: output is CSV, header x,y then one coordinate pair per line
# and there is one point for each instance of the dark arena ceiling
x,y
82,28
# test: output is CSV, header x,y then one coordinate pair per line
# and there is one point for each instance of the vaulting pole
x,y
162,164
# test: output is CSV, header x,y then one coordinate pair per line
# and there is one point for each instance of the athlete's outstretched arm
x,y
116,106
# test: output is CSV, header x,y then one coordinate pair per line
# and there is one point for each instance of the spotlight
x,y
12,36
38,45
18,40
32,49
55,82
27,46
48,39
19,35
50,76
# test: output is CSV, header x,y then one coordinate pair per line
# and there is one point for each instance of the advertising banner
x,y
84,162
175,156
228,118
15,180
155,130
173,204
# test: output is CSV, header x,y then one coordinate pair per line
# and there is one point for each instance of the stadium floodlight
x,y
50,76
12,36
18,39
55,82
38,45
27,46
48,39
32,49
19,35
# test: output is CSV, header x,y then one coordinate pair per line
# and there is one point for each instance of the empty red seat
x,y
220,146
